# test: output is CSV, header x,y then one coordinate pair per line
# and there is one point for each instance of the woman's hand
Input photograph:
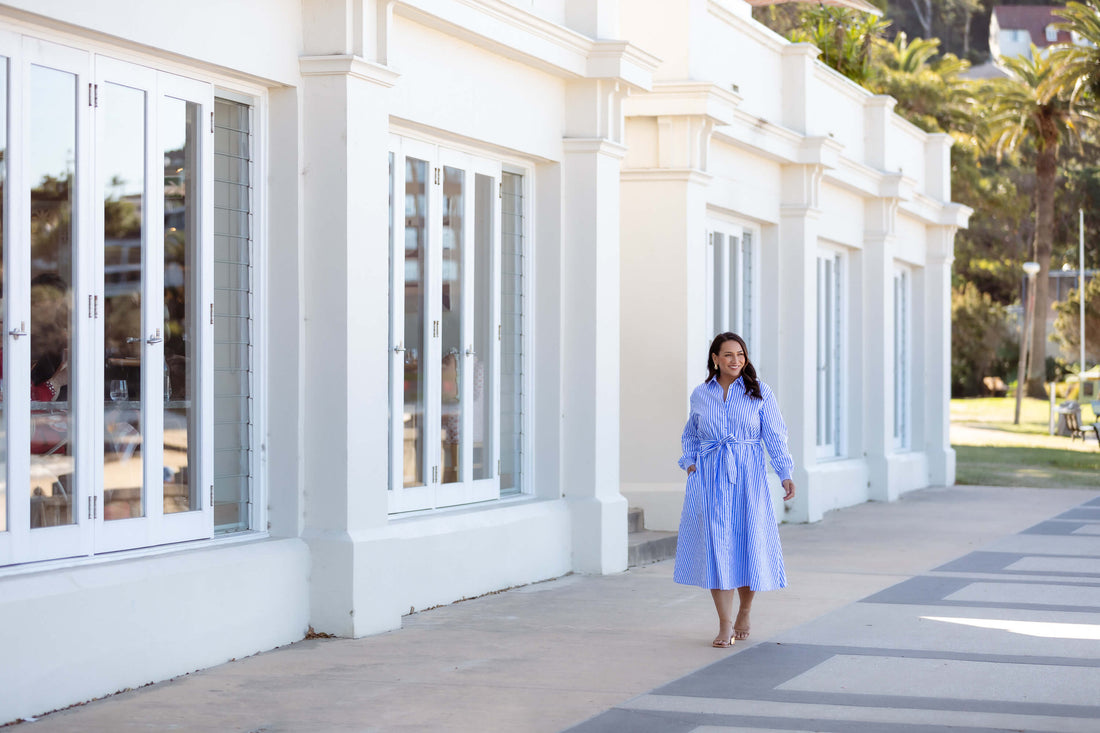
x,y
691,469
788,488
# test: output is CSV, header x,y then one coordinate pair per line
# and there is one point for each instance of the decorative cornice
x,y
685,175
594,146
518,34
348,65
684,98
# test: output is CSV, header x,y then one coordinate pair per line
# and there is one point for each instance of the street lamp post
x,y
1031,269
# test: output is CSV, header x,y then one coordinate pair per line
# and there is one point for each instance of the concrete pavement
x,y
966,608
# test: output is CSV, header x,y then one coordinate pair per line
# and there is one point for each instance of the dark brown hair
x,y
748,372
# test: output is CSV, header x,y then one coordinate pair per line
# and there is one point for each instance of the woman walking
x,y
728,537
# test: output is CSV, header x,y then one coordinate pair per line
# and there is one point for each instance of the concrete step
x,y
648,546
635,519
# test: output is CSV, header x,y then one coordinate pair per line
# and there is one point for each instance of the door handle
x,y
155,338
15,333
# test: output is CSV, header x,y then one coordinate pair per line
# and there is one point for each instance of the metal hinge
x,y
211,122
500,189
211,495
437,176
435,474
435,328
93,502
211,314
498,467
499,329
93,95
93,306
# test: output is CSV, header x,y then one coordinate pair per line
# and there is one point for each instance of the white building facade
x,y
316,325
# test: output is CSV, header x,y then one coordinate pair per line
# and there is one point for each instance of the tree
x,y
845,38
1031,109
1077,66
1067,324
981,340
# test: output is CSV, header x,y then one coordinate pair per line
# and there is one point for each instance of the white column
x,y
793,296
664,345
345,358
937,355
590,354
590,326
879,242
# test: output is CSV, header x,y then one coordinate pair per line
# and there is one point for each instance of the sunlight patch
x,y
1044,629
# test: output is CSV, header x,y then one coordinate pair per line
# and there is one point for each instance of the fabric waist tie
x,y
722,452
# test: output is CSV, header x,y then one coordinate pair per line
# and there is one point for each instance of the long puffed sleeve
x,y
773,431
690,442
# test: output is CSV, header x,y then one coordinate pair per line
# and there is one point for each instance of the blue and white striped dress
x,y
728,535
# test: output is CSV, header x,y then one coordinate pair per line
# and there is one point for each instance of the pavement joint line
x,y
812,711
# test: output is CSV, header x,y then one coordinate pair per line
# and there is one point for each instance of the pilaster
x,y
792,297
879,243
345,293
590,326
937,355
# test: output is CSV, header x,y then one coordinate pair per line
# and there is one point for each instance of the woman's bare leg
x,y
723,603
741,628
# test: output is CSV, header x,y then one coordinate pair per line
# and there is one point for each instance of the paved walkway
x,y
967,608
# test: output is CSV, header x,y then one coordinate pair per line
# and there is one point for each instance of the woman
x,y
728,536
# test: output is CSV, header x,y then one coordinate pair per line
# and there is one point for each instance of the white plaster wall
x,y
909,244
841,216
213,32
744,184
72,634
738,52
454,86
415,563
838,107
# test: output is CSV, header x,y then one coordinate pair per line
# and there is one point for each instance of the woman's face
x,y
730,359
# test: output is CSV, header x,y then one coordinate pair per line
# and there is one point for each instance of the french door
x,y
445,327
730,267
107,348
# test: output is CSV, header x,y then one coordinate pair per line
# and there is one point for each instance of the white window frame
x,y
903,329
830,340
731,268
433,493
87,538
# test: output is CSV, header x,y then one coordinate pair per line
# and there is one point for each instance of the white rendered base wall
x,y
75,634
419,562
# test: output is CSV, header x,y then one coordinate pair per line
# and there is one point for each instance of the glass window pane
x,y
121,157
718,243
512,314
746,289
484,328
451,336
50,165
416,253
179,123
232,314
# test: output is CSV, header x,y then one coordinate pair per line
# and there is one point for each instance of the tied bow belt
x,y
721,451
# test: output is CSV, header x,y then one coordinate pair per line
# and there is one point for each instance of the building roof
x,y
1031,18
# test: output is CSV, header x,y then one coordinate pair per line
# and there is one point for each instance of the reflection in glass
x,y
718,245
3,288
511,338
416,253
746,289
479,362
232,314
454,203
179,121
50,164
122,167
393,340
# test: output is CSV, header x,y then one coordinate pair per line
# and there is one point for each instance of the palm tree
x,y
1078,64
1032,108
845,38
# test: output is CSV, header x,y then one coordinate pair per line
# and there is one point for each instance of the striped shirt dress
x,y
728,534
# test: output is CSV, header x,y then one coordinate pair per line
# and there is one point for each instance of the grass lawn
x,y
992,451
